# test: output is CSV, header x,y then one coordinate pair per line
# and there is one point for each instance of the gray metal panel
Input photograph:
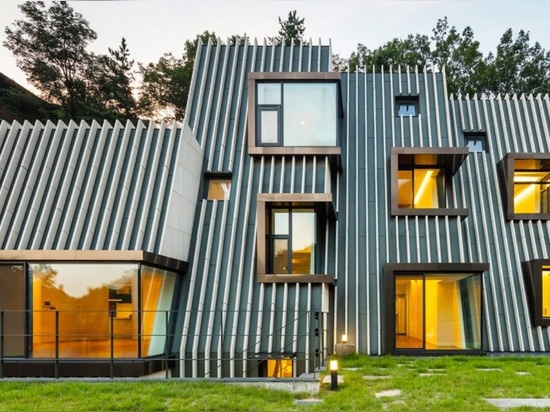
x,y
62,185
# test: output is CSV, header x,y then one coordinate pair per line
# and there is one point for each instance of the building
x,y
295,205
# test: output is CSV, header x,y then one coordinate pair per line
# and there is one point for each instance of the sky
x,y
155,27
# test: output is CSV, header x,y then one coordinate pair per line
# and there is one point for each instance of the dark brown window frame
x,y
391,269
334,152
409,100
506,168
324,207
449,157
532,274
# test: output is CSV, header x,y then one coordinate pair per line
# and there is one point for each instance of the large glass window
x,y
296,114
421,181
12,304
293,234
89,306
437,311
291,240
531,187
537,281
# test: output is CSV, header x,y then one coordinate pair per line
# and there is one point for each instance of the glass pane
x,y
406,109
310,114
474,145
157,291
269,126
89,298
269,93
280,256
409,307
219,189
405,188
546,292
279,368
12,302
280,222
453,311
531,194
429,188
303,241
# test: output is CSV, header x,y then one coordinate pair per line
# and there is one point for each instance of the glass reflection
x,y
309,114
157,289
90,298
12,302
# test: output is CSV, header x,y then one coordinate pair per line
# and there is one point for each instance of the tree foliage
x,y
292,30
517,67
165,84
50,47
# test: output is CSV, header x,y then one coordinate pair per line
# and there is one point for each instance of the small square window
x,y
218,189
406,105
476,142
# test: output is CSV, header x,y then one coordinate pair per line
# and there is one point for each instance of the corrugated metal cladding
x,y
85,187
228,312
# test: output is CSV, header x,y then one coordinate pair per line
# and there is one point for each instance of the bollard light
x,y
333,375
344,338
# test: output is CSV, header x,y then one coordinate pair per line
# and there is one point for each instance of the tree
x,y
460,55
165,84
292,29
517,66
50,47
111,80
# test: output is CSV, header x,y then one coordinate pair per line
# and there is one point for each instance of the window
x,y
292,237
92,310
90,305
219,188
537,280
421,180
434,307
476,142
294,113
406,105
527,185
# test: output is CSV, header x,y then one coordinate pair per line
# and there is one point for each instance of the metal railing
x,y
214,344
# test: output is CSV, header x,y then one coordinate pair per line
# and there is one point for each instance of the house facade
x,y
295,210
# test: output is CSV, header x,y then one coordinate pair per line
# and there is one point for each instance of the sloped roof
x,y
86,186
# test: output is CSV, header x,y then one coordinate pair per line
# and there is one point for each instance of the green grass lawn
x,y
429,384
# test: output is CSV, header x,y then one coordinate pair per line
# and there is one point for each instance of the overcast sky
x,y
154,27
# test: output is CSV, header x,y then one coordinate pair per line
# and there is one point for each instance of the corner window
x,y
434,307
476,142
527,185
294,113
406,105
537,280
218,188
422,180
291,237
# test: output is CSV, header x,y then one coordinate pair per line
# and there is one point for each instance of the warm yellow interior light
x,y
423,186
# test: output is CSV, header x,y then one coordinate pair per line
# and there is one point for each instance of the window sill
x,y
429,212
528,216
286,278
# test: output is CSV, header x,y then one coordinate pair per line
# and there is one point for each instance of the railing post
x,y
112,337
166,342
2,344
56,344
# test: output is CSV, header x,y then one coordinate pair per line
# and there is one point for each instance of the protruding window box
x,y
525,182
295,114
291,237
421,181
536,274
